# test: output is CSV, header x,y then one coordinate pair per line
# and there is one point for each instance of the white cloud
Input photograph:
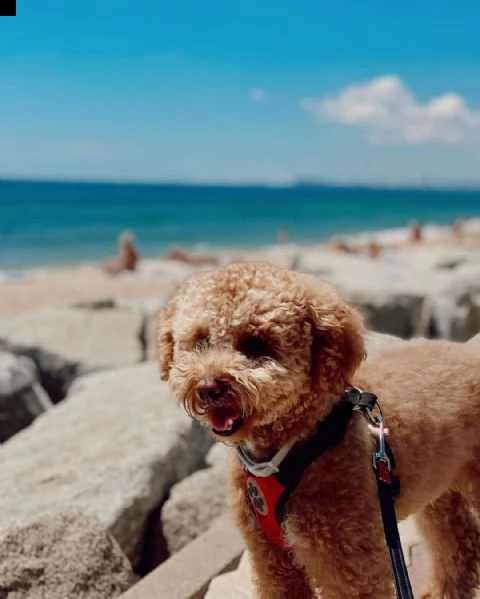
x,y
391,114
259,95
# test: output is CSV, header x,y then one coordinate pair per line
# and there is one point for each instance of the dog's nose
x,y
210,389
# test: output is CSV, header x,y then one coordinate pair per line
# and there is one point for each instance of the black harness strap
x,y
329,433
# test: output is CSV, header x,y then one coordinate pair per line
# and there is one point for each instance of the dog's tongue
x,y
223,418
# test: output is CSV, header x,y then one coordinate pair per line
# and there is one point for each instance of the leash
x,y
388,489
392,538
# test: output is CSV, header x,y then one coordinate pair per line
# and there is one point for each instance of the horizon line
x,y
295,183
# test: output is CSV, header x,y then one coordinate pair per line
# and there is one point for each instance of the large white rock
x,y
234,585
113,449
473,344
16,373
398,314
433,291
149,336
282,255
195,502
453,311
62,556
55,373
22,398
388,294
93,338
376,341
147,309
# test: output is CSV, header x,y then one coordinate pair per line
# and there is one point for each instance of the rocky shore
x,y
103,476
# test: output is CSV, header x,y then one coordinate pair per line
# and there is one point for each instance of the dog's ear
x,y
338,345
165,338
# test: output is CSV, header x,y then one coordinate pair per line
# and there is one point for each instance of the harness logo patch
x,y
257,497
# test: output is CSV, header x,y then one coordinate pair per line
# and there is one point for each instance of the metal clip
x,y
380,455
375,421
377,426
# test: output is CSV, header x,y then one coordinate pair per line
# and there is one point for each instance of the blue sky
x,y
244,91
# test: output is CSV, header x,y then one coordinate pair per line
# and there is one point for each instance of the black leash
x,y
392,538
388,488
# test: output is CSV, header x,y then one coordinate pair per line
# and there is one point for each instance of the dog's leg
x,y
275,576
356,576
453,535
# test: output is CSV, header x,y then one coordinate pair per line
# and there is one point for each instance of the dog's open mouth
x,y
225,420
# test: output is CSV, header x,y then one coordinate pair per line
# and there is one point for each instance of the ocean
x,y
58,223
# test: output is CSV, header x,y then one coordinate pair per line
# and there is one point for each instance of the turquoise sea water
x,y
45,223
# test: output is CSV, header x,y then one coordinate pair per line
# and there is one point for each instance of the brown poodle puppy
x,y
261,355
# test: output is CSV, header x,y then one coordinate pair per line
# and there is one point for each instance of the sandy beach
x,y
67,286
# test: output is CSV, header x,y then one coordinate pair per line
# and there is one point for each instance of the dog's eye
x,y
255,347
201,340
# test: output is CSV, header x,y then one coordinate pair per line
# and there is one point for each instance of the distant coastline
x,y
253,184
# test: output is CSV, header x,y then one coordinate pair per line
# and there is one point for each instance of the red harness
x,y
265,493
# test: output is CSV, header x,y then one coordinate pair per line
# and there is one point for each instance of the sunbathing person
x,y
177,253
127,259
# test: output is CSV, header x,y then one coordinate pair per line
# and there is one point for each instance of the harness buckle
x,y
263,469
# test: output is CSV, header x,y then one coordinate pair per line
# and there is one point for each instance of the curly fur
x,y
285,346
